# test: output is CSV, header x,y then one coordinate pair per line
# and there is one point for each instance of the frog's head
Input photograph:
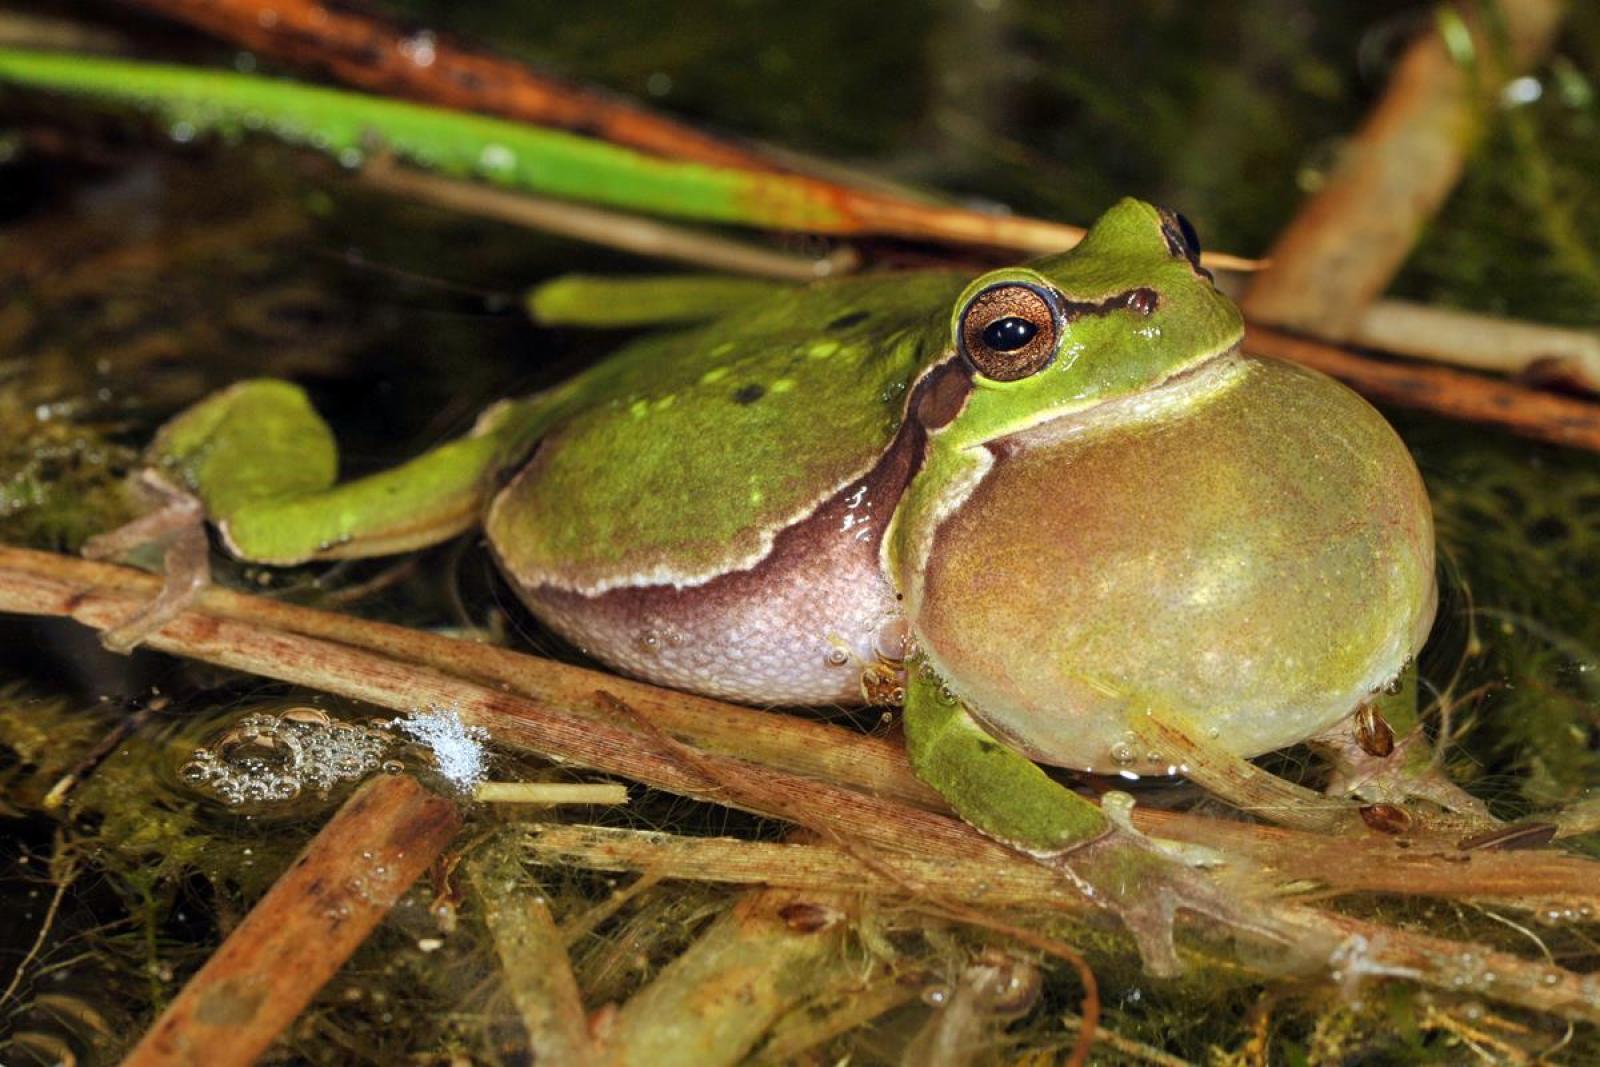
x,y
1116,509
1126,310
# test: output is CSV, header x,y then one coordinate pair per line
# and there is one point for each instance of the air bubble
x,y
837,657
1123,753
274,758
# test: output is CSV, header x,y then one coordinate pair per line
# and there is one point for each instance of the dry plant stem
x,y
124,728
1366,863
1137,1051
1370,949
786,742
812,868
1455,394
46,583
550,793
630,233
712,1004
1482,342
42,583
311,920
1346,243
533,956
577,927
571,704
811,1024
63,872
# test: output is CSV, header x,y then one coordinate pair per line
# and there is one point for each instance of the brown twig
x,y
571,705
1456,394
1368,949
311,920
800,746
42,583
362,49
1530,350
1346,243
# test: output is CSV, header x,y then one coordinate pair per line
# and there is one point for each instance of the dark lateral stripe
x,y
1142,300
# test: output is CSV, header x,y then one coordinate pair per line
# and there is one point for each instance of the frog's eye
x,y
1191,239
1010,331
1180,235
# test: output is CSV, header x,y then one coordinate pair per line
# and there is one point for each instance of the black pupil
x,y
1009,334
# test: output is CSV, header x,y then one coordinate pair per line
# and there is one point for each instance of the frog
x,y
1033,509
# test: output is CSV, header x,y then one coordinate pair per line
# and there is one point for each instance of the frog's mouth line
x,y
1197,384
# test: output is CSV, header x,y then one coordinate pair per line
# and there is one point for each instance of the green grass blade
x,y
351,126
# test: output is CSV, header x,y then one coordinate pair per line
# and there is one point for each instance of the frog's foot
x,y
1396,773
1146,882
179,522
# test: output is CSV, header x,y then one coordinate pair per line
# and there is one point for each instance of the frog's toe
x,y
188,572
1146,886
180,523
1402,776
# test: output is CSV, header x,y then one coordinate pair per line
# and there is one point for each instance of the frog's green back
x,y
681,455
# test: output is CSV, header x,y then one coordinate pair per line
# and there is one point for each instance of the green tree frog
x,y
1031,506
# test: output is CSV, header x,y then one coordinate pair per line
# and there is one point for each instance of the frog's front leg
x,y
258,461
1009,798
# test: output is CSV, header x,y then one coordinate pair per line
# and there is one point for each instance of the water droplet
x,y
497,159
837,657
421,48
1123,753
